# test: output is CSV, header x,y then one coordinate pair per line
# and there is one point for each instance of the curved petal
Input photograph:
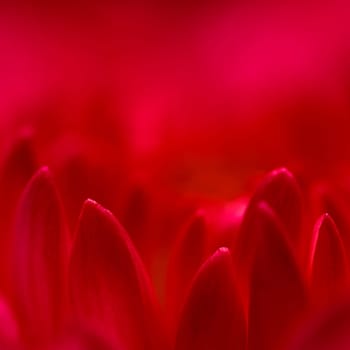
x,y
18,167
277,294
262,222
281,192
40,249
327,201
108,284
328,269
187,256
213,316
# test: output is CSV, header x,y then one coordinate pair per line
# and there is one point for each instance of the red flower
x,y
89,288
151,227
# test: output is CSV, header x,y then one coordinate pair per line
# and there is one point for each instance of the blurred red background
x,y
194,95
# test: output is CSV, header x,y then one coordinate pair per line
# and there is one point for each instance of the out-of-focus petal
x,y
328,267
39,251
136,218
18,166
187,256
109,288
263,222
327,331
281,192
213,315
326,200
278,295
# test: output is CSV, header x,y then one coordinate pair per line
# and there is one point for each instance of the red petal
x,y
109,286
328,265
282,193
330,202
329,331
187,256
261,222
17,169
39,257
213,316
136,219
277,295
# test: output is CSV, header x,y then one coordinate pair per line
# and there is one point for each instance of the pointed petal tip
x,y
326,220
222,256
283,176
42,178
212,315
328,266
90,204
281,171
222,252
38,277
42,173
117,291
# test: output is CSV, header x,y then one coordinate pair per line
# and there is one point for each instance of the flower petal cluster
x,y
268,270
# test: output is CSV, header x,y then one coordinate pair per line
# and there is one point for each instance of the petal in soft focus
x,y
187,256
282,193
328,201
328,265
213,317
136,217
109,287
18,167
261,222
40,250
328,331
277,295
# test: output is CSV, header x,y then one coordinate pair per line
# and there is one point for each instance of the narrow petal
x,y
187,256
327,331
213,317
282,193
40,250
277,295
263,222
17,169
109,288
328,267
327,201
